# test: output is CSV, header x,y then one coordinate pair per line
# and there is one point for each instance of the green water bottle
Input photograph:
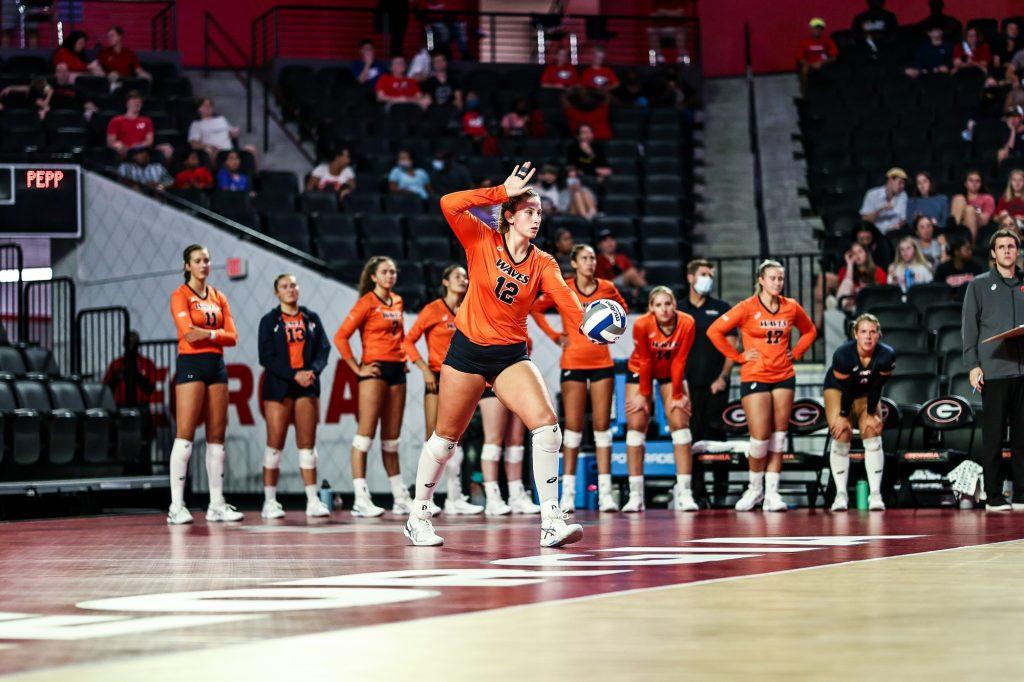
x,y
862,494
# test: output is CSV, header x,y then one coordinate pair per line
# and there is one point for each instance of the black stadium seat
x,y
94,423
403,204
12,361
127,421
335,224
41,361
318,202
381,227
61,425
288,227
22,429
338,247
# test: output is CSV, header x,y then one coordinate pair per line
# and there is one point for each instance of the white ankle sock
x,y
516,489
312,495
435,454
683,481
361,489
569,485
453,469
874,462
493,490
636,486
545,463
215,457
839,463
604,484
181,451
757,480
270,493
398,489
771,482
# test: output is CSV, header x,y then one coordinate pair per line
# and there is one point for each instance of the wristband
x,y
213,334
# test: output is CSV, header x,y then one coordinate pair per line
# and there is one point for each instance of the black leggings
x,y
1002,400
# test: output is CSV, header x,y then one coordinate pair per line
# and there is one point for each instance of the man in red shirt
x,y
815,51
131,129
597,76
117,60
397,87
616,266
561,74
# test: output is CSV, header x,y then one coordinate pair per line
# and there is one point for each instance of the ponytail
x,y
187,256
764,267
366,276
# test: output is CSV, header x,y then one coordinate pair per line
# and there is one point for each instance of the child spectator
x,y
193,175
911,267
405,177
132,129
1012,200
336,176
975,206
814,51
561,74
230,178
140,170
925,203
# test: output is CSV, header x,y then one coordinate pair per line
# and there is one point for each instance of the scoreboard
x,y
41,200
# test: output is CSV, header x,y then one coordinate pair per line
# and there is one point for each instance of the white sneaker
x,y
555,532
875,502
841,503
634,505
421,532
684,501
364,507
751,498
434,509
223,512
568,504
177,516
403,506
272,509
316,508
773,502
497,507
461,506
606,503
522,504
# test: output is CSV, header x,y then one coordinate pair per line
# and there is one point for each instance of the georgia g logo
x,y
734,417
944,411
805,414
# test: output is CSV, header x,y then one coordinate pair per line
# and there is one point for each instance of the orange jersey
x,y
189,310
380,329
437,322
766,332
580,352
295,333
660,354
501,292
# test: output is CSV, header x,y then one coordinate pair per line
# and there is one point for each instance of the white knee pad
x,y
547,439
635,439
871,445
572,439
758,449
778,441
491,453
514,454
390,445
271,459
682,437
603,439
307,458
839,449
361,443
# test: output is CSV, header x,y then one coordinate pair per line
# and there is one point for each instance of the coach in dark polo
x,y
993,304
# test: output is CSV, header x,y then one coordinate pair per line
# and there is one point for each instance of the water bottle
x,y
908,279
862,494
326,495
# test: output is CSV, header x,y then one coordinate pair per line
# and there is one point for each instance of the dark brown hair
x,y
579,247
446,273
186,256
512,205
696,264
365,277
1000,234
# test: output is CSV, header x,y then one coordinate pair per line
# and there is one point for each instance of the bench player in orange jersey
x,y
506,274
662,339
767,378
437,323
205,328
378,317
293,350
583,363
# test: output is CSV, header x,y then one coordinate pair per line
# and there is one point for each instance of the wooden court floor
x,y
718,595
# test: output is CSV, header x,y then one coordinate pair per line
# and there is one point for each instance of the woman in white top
x,y
213,133
336,176
911,268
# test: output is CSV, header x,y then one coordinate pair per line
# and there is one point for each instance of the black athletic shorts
x,y
487,361
586,375
437,381
634,378
748,387
208,368
391,373
278,390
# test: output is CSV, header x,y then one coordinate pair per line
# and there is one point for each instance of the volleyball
x,y
604,321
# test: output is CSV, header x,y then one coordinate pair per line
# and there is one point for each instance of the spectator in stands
x,y
367,69
142,171
443,88
972,52
936,17
960,268
858,271
975,206
419,65
588,107
582,200
71,54
230,177
1012,200
814,51
561,74
586,155
213,133
934,56
405,177
1014,146
131,129
924,202
132,378
396,87
516,123
631,91
886,206
193,175
597,76
563,244
474,123
868,236
448,175
553,199
38,92
337,175
1003,51
875,23
911,267
616,266
117,61
933,248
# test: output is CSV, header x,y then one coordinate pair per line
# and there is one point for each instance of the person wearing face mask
x,y
474,123
446,174
516,122
405,177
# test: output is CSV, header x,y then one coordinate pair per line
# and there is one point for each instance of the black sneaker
x,y
997,504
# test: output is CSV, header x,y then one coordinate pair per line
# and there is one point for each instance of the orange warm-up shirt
x,y
767,332
380,329
501,292
580,353
295,333
437,322
657,354
189,309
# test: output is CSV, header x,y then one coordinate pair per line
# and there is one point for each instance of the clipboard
x,y
1008,334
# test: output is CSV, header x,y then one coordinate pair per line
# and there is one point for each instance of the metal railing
x,y
100,334
237,62
755,148
162,353
140,19
12,262
48,318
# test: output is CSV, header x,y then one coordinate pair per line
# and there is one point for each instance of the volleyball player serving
x,y
489,346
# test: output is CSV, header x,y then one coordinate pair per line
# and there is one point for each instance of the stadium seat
x,y
12,361
381,227
661,207
903,339
312,203
618,226
430,248
960,384
127,422
383,246
401,203
896,316
869,297
334,248
94,423
661,249
942,314
663,184
278,182
654,227
288,227
948,338
230,202
580,228
61,424
22,429
669,273
360,203
619,205
911,362
429,225
953,362
925,295
40,360
334,224
911,389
